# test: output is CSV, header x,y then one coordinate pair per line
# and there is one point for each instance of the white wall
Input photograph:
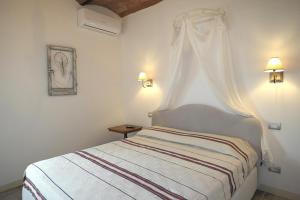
x,y
34,126
259,29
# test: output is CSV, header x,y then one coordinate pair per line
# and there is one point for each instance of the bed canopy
x,y
206,33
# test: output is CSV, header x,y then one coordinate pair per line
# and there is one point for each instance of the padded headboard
x,y
207,119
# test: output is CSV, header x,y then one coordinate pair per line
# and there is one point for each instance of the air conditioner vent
x,y
96,21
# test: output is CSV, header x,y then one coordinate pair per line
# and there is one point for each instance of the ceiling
x,y
121,7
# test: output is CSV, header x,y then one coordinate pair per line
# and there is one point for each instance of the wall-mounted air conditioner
x,y
96,21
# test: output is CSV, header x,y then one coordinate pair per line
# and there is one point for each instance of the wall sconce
x,y
275,68
144,80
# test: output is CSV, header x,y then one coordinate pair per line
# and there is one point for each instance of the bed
x,y
192,152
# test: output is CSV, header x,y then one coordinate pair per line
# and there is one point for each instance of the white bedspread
x,y
158,163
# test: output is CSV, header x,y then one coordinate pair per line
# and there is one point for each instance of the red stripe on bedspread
x,y
29,186
150,186
205,137
213,166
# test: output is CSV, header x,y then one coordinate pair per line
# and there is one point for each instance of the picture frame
x,y
62,72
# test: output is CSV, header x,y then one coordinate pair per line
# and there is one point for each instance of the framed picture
x,y
62,76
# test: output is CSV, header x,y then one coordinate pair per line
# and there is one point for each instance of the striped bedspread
x,y
158,163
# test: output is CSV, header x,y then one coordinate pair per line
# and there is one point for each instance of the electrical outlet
x,y
276,170
275,126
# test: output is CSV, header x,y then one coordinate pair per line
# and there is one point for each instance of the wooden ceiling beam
x,y
121,7
83,2
143,5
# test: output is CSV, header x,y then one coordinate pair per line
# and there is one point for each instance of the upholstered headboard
x,y
207,119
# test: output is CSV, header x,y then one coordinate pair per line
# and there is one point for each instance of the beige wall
x,y
34,126
259,29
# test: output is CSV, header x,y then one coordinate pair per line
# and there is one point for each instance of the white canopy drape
x,y
207,35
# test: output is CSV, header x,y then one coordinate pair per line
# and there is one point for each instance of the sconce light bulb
x,y
144,80
142,76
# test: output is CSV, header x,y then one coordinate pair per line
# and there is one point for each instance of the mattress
x,y
158,163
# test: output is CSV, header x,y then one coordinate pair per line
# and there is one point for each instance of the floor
x,y
259,195
15,194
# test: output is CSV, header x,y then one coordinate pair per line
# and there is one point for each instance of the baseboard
x,y
279,192
10,186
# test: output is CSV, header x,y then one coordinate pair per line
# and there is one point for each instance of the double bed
x,y
192,152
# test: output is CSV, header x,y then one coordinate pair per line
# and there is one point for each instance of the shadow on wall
x,y
264,175
288,167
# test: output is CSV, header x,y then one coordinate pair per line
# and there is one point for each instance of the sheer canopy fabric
x,y
207,35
